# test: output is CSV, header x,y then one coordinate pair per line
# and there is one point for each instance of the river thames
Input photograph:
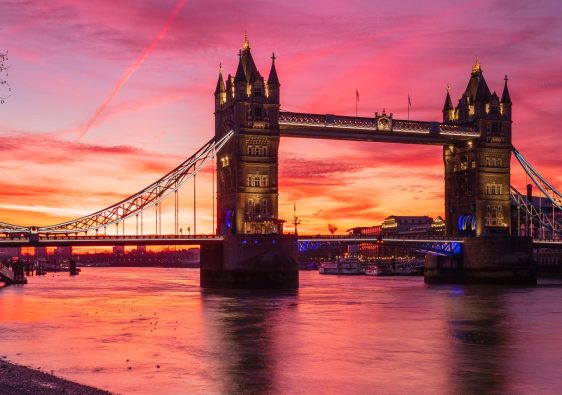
x,y
154,331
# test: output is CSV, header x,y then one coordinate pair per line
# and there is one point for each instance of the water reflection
x,y
479,326
243,327
148,331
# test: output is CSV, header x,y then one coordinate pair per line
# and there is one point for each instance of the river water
x,y
154,331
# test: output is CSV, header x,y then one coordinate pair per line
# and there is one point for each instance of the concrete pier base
x,y
251,262
486,260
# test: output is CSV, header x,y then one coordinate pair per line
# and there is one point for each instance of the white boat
x,y
373,271
342,266
377,271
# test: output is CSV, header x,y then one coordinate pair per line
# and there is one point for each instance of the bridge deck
x,y
101,240
338,127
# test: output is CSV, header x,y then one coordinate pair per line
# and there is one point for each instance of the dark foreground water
x,y
154,331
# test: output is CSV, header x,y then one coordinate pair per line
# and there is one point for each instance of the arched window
x,y
250,208
264,181
251,150
264,208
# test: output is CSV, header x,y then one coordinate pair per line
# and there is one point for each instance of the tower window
x,y
258,91
493,162
258,112
494,216
493,189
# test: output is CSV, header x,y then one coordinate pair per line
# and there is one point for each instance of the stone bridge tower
x,y
477,173
254,253
247,166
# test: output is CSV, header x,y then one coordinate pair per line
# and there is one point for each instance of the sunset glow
x,y
110,96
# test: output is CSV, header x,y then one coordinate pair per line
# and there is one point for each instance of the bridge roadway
x,y
59,240
337,127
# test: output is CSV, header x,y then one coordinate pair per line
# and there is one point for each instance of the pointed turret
x,y
477,89
220,90
273,82
505,102
220,83
273,79
448,102
505,95
247,70
448,109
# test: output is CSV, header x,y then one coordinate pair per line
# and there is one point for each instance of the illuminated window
x,y
250,208
494,216
252,181
493,162
264,181
493,189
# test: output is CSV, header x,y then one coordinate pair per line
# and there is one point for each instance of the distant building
x,y
399,226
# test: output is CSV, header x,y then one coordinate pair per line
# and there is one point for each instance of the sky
x,y
109,96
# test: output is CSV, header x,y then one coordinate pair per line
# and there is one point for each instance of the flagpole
x,y
356,111
408,106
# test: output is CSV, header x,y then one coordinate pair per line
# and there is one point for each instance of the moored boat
x,y
375,270
342,266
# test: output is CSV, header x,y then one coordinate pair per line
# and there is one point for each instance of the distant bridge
x,y
59,240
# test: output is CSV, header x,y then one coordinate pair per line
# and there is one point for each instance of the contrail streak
x,y
132,68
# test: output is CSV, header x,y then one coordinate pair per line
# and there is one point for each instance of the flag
x,y
356,95
409,101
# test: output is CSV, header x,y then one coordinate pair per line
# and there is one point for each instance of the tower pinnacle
x,y
505,95
273,79
476,68
246,44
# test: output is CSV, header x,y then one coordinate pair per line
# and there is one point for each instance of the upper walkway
x,y
380,129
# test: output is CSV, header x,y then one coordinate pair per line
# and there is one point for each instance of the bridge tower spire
x,y
477,173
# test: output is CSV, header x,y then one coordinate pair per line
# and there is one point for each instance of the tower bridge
x,y
248,247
